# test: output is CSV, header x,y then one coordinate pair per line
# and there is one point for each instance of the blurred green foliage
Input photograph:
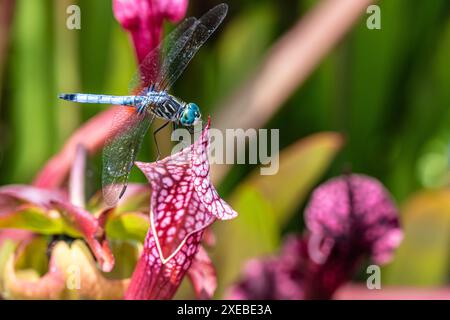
x,y
386,90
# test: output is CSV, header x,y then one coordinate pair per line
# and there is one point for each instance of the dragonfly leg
x,y
123,189
156,141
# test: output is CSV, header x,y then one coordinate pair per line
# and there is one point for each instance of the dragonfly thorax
x,y
171,108
163,105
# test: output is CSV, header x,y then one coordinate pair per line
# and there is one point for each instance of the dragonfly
x,y
149,99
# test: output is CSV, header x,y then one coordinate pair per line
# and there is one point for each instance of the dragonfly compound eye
x,y
190,114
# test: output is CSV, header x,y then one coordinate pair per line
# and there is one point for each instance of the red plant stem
x,y
77,178
92,135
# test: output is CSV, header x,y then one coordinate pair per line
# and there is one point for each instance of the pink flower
x,y
347,218
144,20
356,209
183,204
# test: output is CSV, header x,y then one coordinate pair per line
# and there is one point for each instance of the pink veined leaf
x,y
154,280
183,204
203,275
183,199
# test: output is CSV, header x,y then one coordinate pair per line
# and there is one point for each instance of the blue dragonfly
x,y
155,76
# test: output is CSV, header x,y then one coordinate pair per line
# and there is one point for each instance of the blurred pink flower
x,y
273,278
347,218
356,209
144,20
16,235
183,204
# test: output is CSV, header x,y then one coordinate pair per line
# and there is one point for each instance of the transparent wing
x,y
150,68
200,32
164,65
129,127
121,149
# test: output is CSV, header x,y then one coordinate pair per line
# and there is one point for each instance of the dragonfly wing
x,y
180,56
126,135
150,68
129,126
164,64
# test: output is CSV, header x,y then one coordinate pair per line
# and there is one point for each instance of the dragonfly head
x,y
190,115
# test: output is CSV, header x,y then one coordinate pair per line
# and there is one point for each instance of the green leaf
x,y
38,220
253,25
127,226
33,256
126,256
423,257
301,165
6,250
32,107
